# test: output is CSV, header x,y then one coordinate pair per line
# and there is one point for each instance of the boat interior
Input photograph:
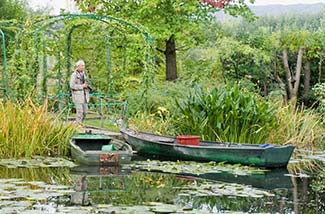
x,y
92,144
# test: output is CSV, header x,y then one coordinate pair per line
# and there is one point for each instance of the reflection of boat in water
x,y
99,171
102,178
269,179
96,181
272,179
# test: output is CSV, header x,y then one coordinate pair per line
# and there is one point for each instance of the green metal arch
x,y
68,63
4,82
40,26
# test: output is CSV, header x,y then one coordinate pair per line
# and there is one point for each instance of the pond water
x,y
130,190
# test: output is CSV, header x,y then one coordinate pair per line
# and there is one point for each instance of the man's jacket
x,y
79,94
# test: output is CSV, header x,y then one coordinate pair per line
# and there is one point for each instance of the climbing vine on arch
x,y
45,53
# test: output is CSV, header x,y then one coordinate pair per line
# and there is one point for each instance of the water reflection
x,y
268,180
55,175
126,187
122,186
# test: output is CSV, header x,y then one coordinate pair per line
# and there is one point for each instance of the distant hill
x,y
279,10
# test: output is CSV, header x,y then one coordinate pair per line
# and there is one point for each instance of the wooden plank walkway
x,y
98,130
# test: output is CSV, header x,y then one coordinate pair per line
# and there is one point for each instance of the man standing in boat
x,y
80,91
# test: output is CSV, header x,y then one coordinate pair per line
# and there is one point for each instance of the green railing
x,y
100,108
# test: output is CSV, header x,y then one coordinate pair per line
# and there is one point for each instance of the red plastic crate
x,y
188,140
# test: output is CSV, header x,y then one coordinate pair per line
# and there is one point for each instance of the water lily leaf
x,y
16,189
164,208
191,167
36,162
222,189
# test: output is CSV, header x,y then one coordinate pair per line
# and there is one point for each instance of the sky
x,y
55,5
266,2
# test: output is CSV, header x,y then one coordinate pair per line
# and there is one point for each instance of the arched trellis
x,y
40,26
108,51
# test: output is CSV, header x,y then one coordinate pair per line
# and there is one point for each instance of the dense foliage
x,y
13,9
226,114
174,24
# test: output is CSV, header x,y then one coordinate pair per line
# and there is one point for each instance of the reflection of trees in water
x,y
298,199
137,188
48,175
222,203
141,187
305,199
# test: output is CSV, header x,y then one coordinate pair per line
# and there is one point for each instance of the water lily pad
x,y
11,189
36,162
190,167
164,208
222,189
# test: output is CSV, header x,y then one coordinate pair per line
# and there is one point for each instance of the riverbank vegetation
x,y
28,129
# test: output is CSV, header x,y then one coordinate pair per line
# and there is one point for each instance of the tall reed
x,y
27,129
299,127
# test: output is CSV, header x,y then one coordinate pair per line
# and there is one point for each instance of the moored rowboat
x,y
267,155
99,149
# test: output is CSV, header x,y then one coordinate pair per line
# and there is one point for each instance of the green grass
x,y
106,125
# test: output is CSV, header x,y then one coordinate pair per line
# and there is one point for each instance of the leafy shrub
x,y
319,91
159,95
227,114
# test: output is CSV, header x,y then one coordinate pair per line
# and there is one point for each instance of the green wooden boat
x,y
99,149
269,156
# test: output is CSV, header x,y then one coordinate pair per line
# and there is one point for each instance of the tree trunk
x,y
279,80
307,79
298,71
170,54
265,90
287,70
293,79
320,67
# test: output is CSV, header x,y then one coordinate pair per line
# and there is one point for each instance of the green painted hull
x,y
245,154
86,149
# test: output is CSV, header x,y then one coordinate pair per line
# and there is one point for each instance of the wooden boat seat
x,y
94,152
167,140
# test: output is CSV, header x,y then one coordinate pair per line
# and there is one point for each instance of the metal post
x,y
5,66
109,65
44,68
59,77
68,57
101,113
